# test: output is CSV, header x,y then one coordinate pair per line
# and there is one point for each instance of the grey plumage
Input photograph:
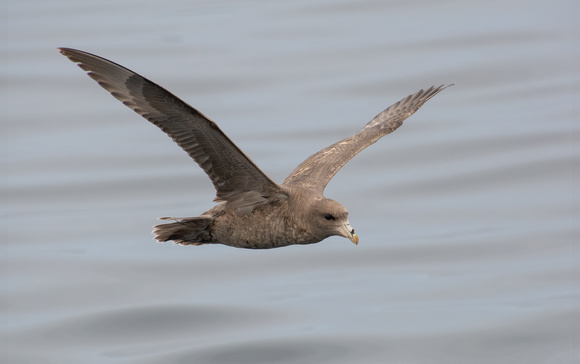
x,y
253,211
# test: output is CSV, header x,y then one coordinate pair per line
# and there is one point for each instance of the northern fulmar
x,y
253,211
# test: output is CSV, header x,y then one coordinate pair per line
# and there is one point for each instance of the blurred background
x,y
468,215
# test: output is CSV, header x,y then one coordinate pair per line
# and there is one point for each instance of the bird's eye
x,y
329,217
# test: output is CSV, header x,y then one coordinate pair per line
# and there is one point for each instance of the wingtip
x,y
440,87
434,90
65,51
72,53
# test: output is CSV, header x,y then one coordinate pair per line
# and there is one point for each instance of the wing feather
x,y
318,169
230,170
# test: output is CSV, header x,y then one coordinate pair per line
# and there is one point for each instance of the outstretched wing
x,y
318,169
234,176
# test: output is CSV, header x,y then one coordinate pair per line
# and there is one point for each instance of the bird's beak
x,y
348,232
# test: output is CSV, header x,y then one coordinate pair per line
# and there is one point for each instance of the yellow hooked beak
x,y
348,232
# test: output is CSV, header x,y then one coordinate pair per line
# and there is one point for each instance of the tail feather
x,y
187,231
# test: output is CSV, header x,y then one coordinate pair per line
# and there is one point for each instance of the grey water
x,y
468,215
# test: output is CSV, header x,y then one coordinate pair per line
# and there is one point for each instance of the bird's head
x,y
327,217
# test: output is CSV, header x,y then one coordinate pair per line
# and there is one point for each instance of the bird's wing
x,y
234,176
318,169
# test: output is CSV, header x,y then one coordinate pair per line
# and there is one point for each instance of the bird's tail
x,y
184,231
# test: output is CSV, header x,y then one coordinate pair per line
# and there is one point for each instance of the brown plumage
x,y
253,211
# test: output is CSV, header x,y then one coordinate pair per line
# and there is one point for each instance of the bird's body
x,y
252,210
286,220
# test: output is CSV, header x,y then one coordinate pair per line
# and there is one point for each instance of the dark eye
x,y
329,217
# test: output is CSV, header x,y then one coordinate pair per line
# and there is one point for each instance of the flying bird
x,y
253,211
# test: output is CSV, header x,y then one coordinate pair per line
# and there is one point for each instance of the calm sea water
x,y
468,215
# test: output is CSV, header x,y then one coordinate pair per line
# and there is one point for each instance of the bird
x,y
252,211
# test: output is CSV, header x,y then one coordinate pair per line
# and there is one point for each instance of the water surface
x,y
468,215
